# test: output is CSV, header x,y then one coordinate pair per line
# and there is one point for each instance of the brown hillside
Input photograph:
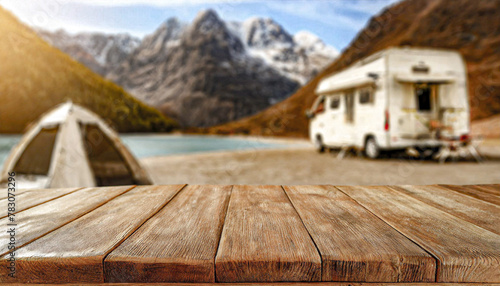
x,y
469,26
34,77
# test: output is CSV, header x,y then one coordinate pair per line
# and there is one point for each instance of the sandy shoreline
x,y
302,165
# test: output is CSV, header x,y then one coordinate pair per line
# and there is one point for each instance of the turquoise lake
x,y
160,145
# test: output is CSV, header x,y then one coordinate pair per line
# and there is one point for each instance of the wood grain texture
x,y
74,253
42,219
264,239
476,211
29,199
493,189
354,244
176,245
475,192
465,251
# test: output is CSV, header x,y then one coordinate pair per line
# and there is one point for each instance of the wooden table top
x,y
261,234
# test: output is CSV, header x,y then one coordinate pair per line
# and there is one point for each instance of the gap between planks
x,y
178,244
310,236
320,204
403,234
264,239
221,230
139,226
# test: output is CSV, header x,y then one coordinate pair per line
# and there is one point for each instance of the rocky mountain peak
x,y
169,29
155,45
265,32
210,33
207,21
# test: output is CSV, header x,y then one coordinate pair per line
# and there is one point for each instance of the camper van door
x,y
334,119
349,132
318,123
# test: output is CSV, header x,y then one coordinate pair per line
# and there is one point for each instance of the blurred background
x,y
217,91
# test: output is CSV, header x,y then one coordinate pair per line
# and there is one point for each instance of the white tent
x,y
72,147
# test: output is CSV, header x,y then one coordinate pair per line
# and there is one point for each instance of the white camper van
x,y
392,100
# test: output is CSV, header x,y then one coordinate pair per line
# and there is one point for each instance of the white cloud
x,y
315,10
156,3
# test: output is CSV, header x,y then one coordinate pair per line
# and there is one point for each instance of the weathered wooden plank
x,y
354,244
29,199
40,220
264,239
476,211
492,189
475,192
465,251
74,253
178,244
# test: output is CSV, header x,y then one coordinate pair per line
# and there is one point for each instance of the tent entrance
x,y
106,162
37,156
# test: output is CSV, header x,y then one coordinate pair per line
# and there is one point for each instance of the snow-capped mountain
x,y
100,52
207,72
204,76
313,45
299,57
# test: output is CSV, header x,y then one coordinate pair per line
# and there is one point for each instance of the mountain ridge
x,y
248,49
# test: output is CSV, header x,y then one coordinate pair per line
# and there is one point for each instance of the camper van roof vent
x,y
373,75
421,68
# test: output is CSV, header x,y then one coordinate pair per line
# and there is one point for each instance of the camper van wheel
x,y
372,150
318,144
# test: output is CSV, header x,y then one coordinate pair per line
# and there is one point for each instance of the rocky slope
x,y
469,26
36,76
207,72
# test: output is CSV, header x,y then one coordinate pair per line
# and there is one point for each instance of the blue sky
x,y
335,21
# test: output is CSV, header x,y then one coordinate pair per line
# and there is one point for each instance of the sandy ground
x,y
303,165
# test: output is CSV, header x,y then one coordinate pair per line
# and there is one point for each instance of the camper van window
x,y
366,96
335,102
321,106
423,93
